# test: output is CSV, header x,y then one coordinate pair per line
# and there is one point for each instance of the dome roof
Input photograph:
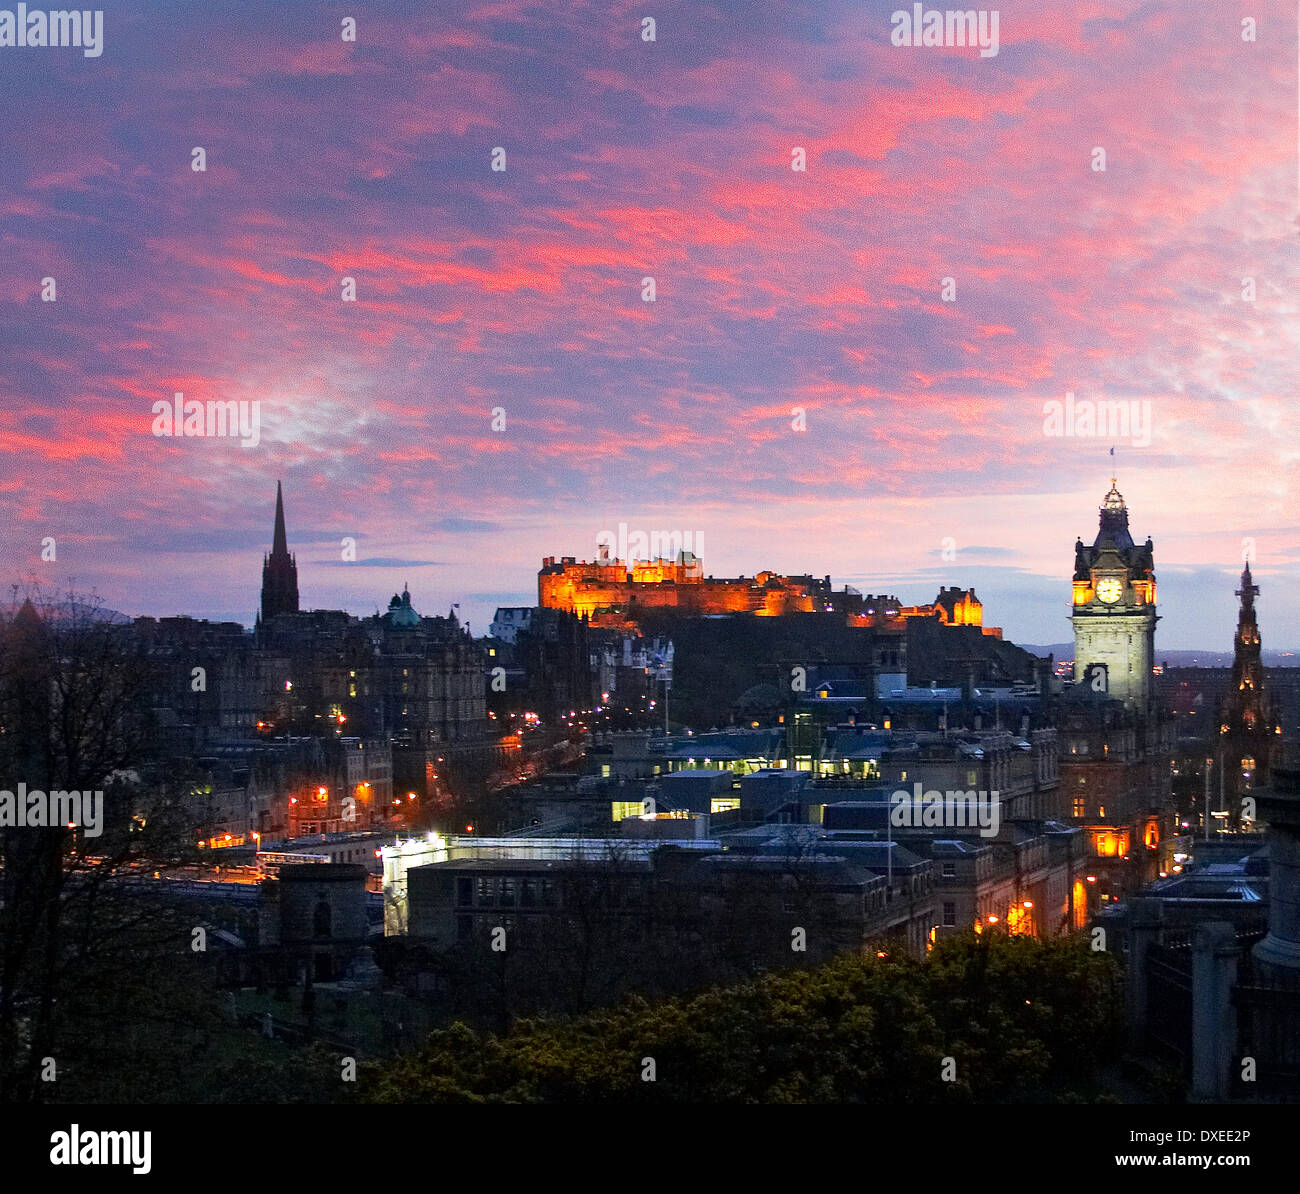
x,y
400,612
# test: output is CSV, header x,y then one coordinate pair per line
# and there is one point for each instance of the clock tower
x,y
1114,613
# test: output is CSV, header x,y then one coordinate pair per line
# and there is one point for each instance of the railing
x,y
1268,1033
1266,1062
1169,1000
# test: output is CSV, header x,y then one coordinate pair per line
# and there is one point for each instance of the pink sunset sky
x,y
775,289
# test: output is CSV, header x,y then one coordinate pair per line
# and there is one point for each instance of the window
x,y
1101,811
949,914
971,779
506,891
528,893
1080,807
486,893
950,870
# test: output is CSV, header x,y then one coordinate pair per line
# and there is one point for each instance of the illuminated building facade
x,y
1116,740
610,591
448,890
613,594
1114,612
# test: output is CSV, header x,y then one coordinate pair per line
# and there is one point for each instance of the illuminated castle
x,y
614,594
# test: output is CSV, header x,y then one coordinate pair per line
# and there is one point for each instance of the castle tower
x,y
1247,721
1115,609
279,570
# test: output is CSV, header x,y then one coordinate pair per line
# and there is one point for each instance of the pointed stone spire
x,y
1248,719
1248,592
279,569
280,542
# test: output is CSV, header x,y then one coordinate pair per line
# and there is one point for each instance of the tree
x,y
74,716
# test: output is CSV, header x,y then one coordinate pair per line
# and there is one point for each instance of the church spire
x,y
279,569
280,541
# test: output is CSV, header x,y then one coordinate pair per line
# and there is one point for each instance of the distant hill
x,y
1061,651
1058,651
79,610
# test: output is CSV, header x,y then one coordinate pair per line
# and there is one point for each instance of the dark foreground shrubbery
x,y
1007,1019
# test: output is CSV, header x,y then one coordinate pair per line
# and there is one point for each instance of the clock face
x,y
1109,589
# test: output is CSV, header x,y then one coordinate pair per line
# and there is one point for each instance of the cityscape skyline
x,y
480,611
684,554
967,282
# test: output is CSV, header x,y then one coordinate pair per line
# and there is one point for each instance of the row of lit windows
x,y
507,891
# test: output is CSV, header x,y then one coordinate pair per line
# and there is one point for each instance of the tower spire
x,y
279,569
1113,523
1248,721
280,541
1248,592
